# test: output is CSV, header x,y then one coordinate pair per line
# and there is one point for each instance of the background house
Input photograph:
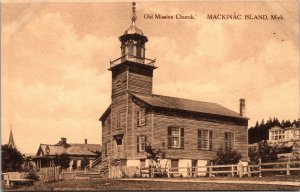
x,y
76,151
283,136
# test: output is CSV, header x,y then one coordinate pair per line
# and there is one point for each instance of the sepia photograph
x,y
150,95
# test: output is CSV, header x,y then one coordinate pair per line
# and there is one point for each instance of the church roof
x,y
133,29
187,105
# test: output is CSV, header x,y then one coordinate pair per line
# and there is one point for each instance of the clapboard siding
x,y
162,121
139,83
119,84
133,130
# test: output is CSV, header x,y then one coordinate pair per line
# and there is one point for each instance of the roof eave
x,y
105,114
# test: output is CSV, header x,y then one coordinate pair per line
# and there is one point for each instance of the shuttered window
x,y
204,139
141,117
175,137
105,148
229,139
141,143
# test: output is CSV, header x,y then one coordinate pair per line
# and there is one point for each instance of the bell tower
x,y
132,72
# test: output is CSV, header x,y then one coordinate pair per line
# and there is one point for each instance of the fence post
x,y
259,168
210,169
249,171
288,172
109,168
232,173
241,171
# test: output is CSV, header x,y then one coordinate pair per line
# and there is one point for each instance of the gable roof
x,y
54,149
187,105
79,150
90,147
71,149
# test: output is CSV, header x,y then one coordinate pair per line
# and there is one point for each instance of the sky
x,y
55,56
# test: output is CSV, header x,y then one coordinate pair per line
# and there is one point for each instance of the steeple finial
x,y
134,17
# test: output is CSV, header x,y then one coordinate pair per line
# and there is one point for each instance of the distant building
x,y
283,136
11,141
77,151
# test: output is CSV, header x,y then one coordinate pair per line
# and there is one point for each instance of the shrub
x,y
226,156
32,175
62,160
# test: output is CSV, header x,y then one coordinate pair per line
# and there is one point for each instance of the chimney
x,y
242,107
63,140
85,141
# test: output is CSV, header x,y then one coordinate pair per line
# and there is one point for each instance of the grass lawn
x,y
112,184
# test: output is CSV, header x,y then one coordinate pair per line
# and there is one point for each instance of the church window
x,y
175,137
229,139
204,139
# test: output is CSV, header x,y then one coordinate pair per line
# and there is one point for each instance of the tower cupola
x,y
133,43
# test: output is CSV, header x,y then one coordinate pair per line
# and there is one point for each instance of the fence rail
x,y
233,170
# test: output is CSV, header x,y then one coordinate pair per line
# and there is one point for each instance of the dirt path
x,y
290,183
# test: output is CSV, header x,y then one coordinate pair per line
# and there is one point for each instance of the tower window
x,y
141,117
175,137
139,51
118,121
141,143
130,48
106,148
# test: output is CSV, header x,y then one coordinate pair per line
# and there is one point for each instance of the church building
x,y
189,131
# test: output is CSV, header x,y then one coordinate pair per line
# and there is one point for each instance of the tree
x,y
226,156
62,160
12,159
264,152
27,163
156,155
